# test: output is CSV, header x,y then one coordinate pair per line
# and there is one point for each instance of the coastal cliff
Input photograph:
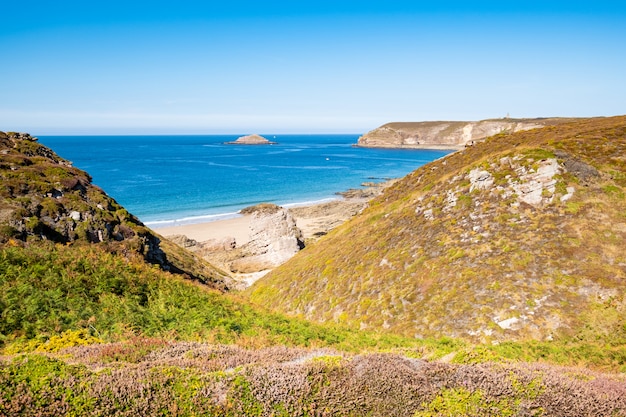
x,y
447,135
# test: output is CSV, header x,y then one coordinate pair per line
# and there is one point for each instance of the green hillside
x,y
520,237
44,198
73,260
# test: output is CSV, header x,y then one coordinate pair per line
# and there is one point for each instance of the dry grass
x,y
490,266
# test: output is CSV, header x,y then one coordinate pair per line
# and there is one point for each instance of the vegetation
x,y
49,289
115,326
188,379
520,237
42,197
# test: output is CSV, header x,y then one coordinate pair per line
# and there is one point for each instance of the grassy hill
x,y
520,237
44,198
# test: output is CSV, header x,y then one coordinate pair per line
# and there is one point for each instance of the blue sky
x,y
195,67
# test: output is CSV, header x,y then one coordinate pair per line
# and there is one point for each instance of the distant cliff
x,y
446,135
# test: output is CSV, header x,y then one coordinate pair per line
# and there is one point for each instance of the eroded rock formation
x,y
274,238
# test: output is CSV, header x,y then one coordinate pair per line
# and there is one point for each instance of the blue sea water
x,y
169,180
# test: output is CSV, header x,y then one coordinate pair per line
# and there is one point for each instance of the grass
x,y
525,249
57,296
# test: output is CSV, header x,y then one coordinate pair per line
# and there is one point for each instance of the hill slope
x,y
521,236
43,197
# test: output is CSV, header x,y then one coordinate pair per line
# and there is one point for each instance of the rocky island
x,y
251,140
447,134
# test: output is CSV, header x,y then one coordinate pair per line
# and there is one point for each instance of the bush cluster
x,y
186,379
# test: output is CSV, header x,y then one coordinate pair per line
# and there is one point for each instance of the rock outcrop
x,y
446,135
274,239
251,140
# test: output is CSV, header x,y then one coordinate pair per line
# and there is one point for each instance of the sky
x,y
205,67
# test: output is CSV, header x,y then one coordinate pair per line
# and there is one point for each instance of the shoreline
x,y
314,218
211,218
236,227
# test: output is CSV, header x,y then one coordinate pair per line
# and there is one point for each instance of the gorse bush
x,y
52,294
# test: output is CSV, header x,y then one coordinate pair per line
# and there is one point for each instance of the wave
x,y
310,203
156,224
192,220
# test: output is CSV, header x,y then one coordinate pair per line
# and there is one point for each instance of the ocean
x,y
173,180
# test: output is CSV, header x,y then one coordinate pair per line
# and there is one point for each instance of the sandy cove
x,y
237,227
314,220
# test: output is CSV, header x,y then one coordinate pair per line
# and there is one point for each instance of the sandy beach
x,y
237,227
314,220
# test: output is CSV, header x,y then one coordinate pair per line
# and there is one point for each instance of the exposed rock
x,y
480,179
538,186
182,240
216,245
21,136
446,135
584,172
261,209
251,140
274,238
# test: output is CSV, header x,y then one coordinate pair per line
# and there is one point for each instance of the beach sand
x,y
237,227
314,220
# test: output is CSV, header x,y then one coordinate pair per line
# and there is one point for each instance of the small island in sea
x,y
251,140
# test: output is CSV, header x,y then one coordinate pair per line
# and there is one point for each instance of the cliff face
x,y
43,197
446,135
521,236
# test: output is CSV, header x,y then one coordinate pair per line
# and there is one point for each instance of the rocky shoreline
x,y
268,235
